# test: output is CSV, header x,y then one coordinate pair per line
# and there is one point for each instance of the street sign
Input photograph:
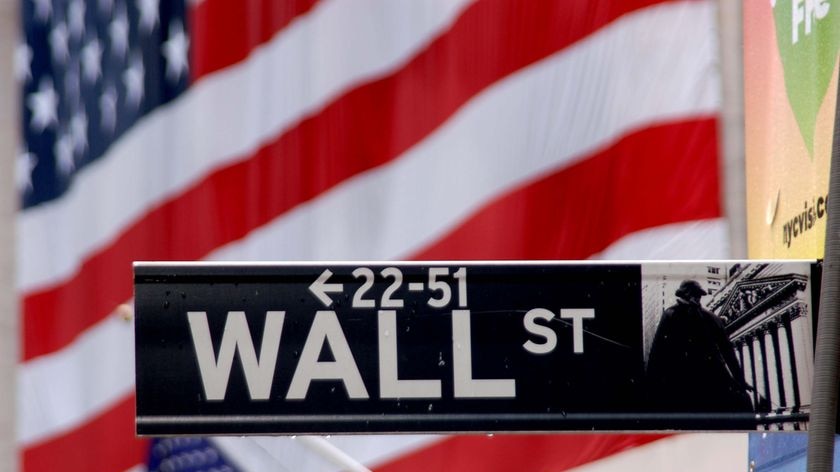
x,y
472,347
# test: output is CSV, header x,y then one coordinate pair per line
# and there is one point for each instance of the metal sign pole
x,y
827,357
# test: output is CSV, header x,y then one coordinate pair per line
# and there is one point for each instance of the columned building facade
x,y
767,314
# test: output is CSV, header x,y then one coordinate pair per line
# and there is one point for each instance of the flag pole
x,y
9,119
823,422
731,128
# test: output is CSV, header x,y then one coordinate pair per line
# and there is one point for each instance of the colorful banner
x,y
790,92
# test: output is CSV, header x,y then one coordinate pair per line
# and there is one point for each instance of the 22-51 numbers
x,y
441,291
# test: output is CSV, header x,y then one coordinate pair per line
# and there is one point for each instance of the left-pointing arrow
x,y
320,288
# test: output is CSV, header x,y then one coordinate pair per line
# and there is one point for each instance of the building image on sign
x,y
768,315
764,312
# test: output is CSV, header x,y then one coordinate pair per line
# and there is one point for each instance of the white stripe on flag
x,y
721,452
697,240
60,391
265,453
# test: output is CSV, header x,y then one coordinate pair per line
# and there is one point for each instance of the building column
x,y
751,376
794,374
784,355
801,331
771,368
759,367
779,361
763,366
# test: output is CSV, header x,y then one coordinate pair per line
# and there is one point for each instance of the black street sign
x,y
471,347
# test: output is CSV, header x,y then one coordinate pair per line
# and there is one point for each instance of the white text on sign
x,y
326,332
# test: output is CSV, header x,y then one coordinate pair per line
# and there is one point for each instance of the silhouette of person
x,y
692,366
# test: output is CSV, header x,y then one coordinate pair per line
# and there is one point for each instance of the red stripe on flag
x,y
223,32
110,435
501,453
656,176
366,127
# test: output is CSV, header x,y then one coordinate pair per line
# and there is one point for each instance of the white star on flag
x,y
175,50
108,108
26,162
63,149
133,80
92,60
44,105
78,131
118,30
76,18
149,14
58,43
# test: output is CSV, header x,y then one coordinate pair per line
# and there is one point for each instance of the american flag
x,y
341,130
